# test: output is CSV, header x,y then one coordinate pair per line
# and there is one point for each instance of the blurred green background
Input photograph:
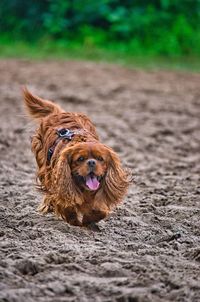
x,y
122,31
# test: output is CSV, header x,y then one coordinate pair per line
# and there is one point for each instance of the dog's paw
x,y
93,216
44,208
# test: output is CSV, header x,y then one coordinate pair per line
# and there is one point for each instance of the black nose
x,y
91,163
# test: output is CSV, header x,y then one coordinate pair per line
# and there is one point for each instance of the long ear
x,y
116,181
37,107
63,185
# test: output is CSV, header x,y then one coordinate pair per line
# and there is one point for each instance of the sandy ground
x,y
149,248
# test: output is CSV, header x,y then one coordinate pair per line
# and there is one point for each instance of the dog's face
x,y
88,163
88,167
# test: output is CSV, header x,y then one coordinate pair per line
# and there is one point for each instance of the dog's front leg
x,y
46,205
95,214
69,214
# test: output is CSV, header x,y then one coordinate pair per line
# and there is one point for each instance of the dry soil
x,y
149,248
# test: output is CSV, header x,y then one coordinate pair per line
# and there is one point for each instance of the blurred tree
x,y
157,26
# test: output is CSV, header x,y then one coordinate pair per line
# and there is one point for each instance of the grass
x,y
46,49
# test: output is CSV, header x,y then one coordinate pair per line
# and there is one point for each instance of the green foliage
x,y
137,27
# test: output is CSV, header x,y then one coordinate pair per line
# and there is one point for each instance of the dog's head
x,y
88,164
90,167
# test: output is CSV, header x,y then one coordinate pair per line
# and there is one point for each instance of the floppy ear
x,y
63,185
116,180
37,107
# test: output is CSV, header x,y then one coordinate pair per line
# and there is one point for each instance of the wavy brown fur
x,y
65,196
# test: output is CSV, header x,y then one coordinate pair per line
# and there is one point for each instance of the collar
x,y
63,134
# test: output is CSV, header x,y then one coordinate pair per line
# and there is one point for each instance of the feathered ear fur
x,y
37,107
63,185
116,181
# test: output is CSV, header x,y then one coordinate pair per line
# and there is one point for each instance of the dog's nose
x,y
91,163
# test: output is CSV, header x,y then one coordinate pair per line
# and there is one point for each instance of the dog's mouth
x,y
91,181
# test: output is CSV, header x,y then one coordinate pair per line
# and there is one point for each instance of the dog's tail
x,y
37,107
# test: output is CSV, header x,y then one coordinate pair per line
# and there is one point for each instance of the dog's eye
x,y
81,158
100,158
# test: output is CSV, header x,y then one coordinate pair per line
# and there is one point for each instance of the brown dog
x,y
82,179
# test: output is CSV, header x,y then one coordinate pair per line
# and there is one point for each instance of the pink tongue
x,y
92,183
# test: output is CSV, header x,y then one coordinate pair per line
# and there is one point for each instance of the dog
x,y
81,178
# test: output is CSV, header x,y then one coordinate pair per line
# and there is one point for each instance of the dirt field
x,y
149,248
